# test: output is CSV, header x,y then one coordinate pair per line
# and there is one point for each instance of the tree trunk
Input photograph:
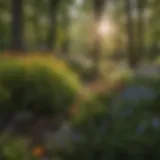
x,y
98,9
17,26
132,57
52,24
140,32
66,22
37,28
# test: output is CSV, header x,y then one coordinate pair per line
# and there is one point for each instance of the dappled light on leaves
x,y
79,80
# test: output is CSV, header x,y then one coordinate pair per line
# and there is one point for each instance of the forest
x,y
79,79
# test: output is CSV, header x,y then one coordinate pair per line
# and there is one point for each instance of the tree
x,y
155,23
53,9
36,17
98,10
132,58
17,26
4,27
65,26
141,28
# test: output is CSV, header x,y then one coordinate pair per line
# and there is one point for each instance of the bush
x,y
13,148
37,84
127,126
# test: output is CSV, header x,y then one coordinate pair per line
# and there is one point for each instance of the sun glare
x,y
105,28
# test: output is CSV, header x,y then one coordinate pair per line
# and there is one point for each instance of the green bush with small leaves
x,y
37,84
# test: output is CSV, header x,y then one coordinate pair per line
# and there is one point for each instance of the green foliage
x,y
84,71
39,85
116,133
13,148
103,131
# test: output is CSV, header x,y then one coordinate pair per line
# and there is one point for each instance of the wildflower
x,y
38,151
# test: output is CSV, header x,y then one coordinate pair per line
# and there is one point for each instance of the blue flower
x,y
103,128
156,122
76,137
133,95
140,129
127,112
60,141
137,93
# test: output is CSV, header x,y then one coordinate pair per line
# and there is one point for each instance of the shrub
x,y
13,148
131,129
38,84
